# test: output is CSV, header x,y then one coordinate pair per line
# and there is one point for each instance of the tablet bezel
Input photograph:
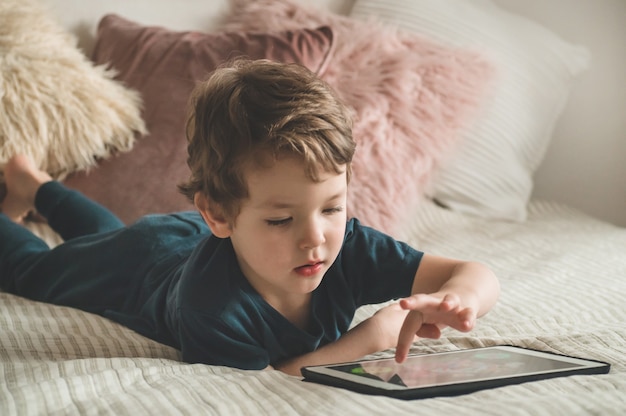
x,y
326,374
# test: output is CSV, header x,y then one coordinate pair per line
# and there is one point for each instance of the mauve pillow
x,y
164,66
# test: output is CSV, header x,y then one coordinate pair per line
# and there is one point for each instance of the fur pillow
x,y
55,105
411,97
491,173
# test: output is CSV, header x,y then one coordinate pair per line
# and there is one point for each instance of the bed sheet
x,y
563,277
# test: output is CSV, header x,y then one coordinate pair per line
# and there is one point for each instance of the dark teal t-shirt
x,y
188,291
214,316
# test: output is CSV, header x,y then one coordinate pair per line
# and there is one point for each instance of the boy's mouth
x,y
309,269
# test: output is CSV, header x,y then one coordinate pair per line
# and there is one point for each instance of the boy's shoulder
x,y
210,279
356,229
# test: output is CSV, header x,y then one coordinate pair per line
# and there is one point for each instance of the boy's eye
x,y
285,221
275,223
333,210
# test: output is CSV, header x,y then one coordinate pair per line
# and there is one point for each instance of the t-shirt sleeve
x,y
209,340
377,267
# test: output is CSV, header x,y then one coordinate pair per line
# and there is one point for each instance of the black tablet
x,y
451,373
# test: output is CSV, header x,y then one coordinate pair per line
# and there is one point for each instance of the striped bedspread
x,y
563,277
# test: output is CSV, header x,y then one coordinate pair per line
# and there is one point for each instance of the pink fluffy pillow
x,y
411,98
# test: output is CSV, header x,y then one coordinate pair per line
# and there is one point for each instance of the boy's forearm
x,y
476,285
354,344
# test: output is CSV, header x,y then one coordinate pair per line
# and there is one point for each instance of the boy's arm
x,y
446,292
377,333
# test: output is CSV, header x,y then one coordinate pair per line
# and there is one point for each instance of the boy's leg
x,y
25,267
68,212
18,248
17,244
71,214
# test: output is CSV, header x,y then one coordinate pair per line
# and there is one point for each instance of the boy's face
x,y
289,230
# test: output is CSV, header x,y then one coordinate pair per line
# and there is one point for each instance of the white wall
x,y
586,164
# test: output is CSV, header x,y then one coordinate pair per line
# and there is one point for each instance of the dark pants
x,y
27,267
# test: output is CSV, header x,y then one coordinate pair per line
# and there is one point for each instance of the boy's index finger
x,y
412,323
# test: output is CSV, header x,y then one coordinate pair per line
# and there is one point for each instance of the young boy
x,y
269,271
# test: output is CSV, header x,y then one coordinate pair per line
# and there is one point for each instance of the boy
x,y
268,272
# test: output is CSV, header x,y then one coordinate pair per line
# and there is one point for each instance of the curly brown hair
x,y
254,111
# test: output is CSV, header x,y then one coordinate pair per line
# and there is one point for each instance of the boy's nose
x,y
312,235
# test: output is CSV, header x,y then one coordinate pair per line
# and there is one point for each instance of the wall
x,y
585,165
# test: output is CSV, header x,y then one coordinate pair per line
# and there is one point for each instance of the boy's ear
x,y
216,222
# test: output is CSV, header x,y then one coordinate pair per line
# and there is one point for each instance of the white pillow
x,y
490,174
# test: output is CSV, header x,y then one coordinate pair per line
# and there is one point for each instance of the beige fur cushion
x,y
54,103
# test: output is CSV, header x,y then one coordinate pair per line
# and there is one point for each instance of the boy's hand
x,y
386,324
427,314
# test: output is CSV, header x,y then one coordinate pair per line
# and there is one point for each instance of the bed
x,y
452,123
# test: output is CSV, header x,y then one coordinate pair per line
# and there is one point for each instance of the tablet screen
x,y
460,366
